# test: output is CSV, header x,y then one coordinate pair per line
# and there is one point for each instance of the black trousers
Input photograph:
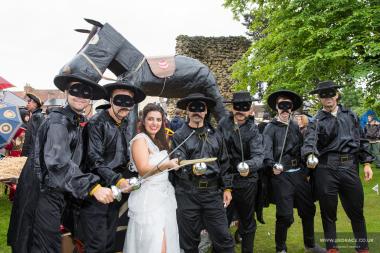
x,y
243,201
20,231
98,223
333,179
46,230
290,189
198,210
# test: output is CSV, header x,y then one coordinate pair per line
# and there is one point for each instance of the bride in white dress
x,y
152,226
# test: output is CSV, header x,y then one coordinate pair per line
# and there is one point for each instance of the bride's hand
x,y
173,163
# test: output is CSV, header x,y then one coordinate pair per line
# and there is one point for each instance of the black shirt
x,y
341,134
59,154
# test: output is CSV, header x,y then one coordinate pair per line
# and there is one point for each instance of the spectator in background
x,y
15,146
177,121
262,124
34,107
372,133
302,121
24,113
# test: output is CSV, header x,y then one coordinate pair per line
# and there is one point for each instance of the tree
x,y
302,42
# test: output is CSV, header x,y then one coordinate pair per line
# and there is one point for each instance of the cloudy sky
x,y
37,37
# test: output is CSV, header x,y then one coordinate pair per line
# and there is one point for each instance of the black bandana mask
x,y
123,101
285,105
327,93
80,90
242,106
197,106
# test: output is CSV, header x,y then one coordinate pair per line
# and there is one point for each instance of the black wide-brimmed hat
x,y
62,81
35,98
138,96
294,97
240,96
183,102
325,85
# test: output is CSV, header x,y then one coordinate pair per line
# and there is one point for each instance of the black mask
x,y
197,106
285,105
242,106
327,93
123,101
80,90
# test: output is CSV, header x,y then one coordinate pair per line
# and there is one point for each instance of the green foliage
x,y
304,42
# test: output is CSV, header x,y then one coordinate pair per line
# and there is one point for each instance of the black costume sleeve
x,y
309,144
62,170
224,164
95,160
181,152
256,150
268,136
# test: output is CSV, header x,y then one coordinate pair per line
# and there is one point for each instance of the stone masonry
x,y
218,53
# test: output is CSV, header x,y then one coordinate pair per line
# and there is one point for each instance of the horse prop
x,y
170,77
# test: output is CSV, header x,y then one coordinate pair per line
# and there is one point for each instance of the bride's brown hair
x,y
160,139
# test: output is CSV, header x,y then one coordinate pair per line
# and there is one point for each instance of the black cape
x,y
22,216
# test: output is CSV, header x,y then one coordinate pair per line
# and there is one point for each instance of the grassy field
x,y
264,241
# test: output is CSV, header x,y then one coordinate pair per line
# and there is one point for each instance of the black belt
x,y
336,158
198,183
290,164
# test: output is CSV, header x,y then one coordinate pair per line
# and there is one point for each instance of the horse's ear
x,y
94,22
82,30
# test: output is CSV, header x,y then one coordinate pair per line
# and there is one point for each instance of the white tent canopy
x,y
10,98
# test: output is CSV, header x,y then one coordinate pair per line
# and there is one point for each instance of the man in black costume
x,y
335,137
199,189
290,188
59,152
33,105
246,153
21,222
107,157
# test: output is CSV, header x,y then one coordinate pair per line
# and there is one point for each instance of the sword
x,y
137,182
155,168
278,165
283,145
312,160
242,167
182,163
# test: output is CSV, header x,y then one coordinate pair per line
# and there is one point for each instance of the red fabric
x,y
5,84
12,190
79,246
63,229
10,147
15,153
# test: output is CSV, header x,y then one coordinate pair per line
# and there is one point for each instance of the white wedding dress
x,y
152,210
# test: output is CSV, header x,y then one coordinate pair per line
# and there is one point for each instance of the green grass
x,y
264,241
5,212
